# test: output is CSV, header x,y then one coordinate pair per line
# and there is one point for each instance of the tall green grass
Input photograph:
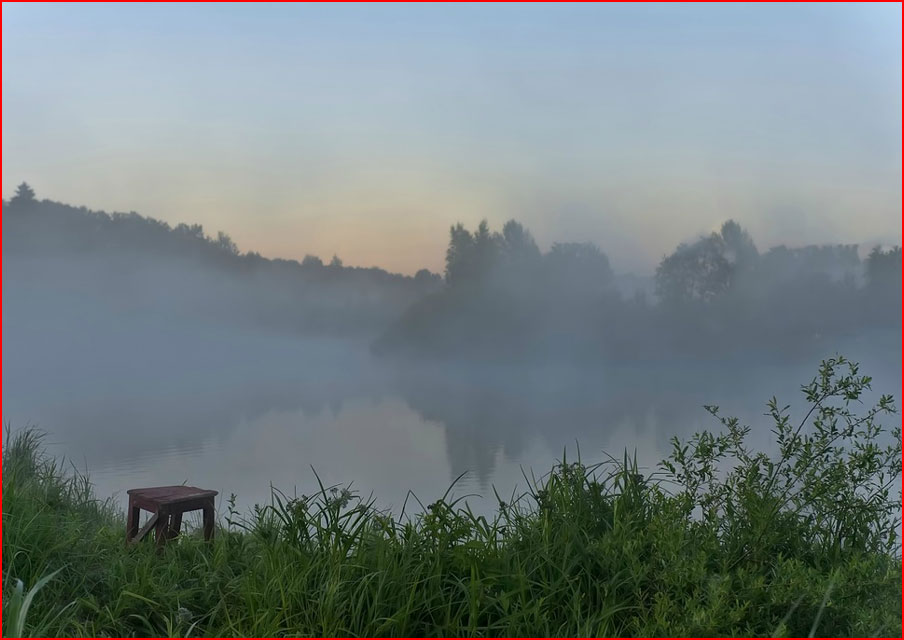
x,y
722,540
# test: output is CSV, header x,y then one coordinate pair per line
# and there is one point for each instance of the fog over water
x,y
146,370
277,408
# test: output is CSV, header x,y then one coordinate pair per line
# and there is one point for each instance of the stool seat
x,y
167,504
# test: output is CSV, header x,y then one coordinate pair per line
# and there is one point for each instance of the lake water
x,y
239,413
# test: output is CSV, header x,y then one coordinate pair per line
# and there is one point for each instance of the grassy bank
x,y
721,540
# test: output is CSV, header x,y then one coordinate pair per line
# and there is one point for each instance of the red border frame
x,y
404,1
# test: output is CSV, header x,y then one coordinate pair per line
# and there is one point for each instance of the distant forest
x,y
138,264
714,298
501,298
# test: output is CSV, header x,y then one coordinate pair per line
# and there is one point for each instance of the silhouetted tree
x,y
425,277
883,269
518,244
24,195
579,266
739,247
486,249
458,254
706,269
311,261
471,257
191,231
336,262
225,243
699,272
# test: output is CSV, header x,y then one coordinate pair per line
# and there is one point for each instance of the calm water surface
x,y
240,414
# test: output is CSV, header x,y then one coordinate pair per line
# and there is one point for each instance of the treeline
x,y
504,298
501,297
130,260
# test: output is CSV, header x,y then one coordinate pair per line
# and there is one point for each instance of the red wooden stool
x,y
167,504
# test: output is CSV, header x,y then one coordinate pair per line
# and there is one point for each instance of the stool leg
x,y
208,521
160,529
175,525
134,516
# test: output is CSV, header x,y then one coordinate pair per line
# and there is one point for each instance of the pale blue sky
x,y
366,130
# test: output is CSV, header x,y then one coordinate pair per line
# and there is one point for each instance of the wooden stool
x,y
167,504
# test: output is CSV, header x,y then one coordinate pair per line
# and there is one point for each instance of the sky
x,y
367,130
